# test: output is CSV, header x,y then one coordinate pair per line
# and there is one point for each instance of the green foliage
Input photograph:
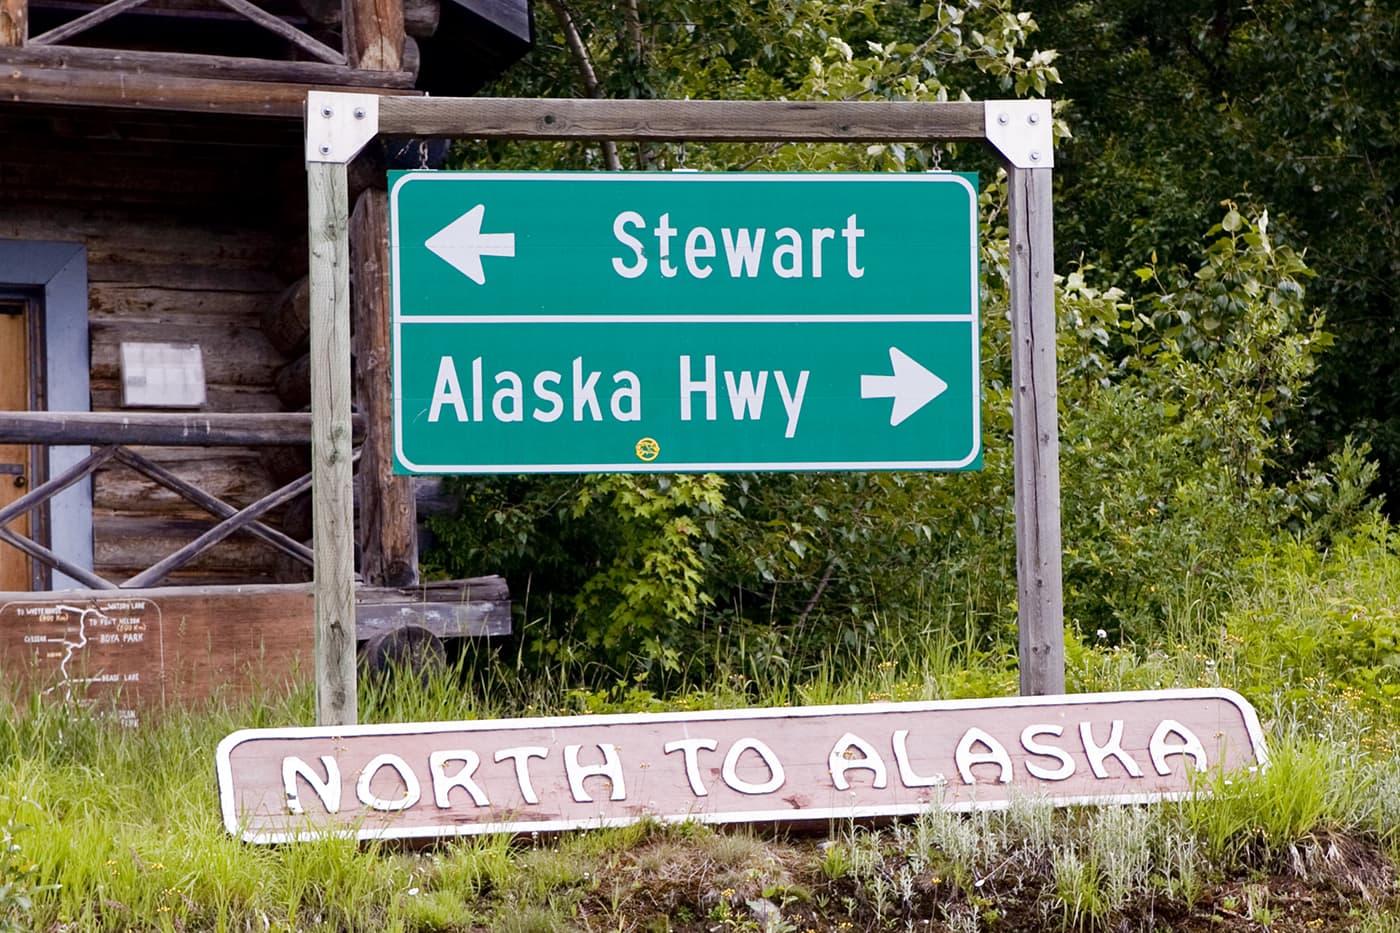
x,y
1288,103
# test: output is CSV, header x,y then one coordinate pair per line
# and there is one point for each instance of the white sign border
x,y
398,321
228,805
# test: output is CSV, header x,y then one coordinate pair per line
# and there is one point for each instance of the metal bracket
x,y
1021,131
339,125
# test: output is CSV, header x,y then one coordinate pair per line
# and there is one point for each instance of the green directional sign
x,y
554,322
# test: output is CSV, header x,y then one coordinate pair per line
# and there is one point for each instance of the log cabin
x,y
154,513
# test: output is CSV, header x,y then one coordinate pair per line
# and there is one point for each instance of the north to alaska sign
x,y
557,322
429,780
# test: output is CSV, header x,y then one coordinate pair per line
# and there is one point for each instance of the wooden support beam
x,y
681,120
42,84
388,514
1040,598
218,67
85,22
55,484
287,31
14,23
333,493
374,34
206,429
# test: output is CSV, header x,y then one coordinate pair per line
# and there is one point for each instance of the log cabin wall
x,y
193,228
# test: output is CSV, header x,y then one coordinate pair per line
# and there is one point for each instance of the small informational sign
x,y
162,375
620,322
432,780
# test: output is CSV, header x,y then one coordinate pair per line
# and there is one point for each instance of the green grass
x,y
110,829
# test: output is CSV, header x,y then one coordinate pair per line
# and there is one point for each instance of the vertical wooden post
x,y
1035,398
14,23
374,37
332,495
388,515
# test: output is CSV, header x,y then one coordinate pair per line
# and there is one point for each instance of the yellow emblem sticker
x,y
647,449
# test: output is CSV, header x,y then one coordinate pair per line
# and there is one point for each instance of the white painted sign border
x,y
632,466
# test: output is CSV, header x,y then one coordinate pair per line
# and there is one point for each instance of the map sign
x,y
556,322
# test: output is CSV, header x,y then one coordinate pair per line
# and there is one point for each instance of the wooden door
x,y
16,571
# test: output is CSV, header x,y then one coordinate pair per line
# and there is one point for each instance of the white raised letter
x,y
556,401
664,231
852,233
611,768
907,776
694,251
838,763
1160,750
1099,753
328,790
412,790
792,401
620,223
447,391
707,385
1029,743
513,392
522,756
995,754
585,392
743,252
688,747
442,784
745,395
731,763
792,250
818,235
629,389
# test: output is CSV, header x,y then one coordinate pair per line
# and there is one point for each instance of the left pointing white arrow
x,y
462,244
912,386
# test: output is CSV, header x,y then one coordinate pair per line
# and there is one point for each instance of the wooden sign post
x,y
338,126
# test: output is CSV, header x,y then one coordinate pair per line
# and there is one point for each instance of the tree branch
x,y
587,75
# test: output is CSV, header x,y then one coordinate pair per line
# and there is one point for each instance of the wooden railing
x,y
110,432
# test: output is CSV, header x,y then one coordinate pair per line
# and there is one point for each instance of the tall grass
x,y
112,829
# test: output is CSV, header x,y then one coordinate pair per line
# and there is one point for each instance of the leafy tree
x,y
1284,103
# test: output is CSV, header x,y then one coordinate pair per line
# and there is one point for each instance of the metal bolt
x,y
359,113
1033,119
1003,118
327,112
1035,155
325,149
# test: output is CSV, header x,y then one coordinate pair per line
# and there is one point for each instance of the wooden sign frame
x,y
338,126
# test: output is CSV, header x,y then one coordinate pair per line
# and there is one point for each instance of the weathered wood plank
x,y
374,34
239,521
228,473
106,396
676,120
231,355
447,609
211,504
287,321
41,84
333,492
388,517
160,303
127,544
1037,438
293,383
420,17
14,23
211,429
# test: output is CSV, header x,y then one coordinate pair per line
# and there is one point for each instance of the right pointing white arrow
x,y
462,244
912,386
